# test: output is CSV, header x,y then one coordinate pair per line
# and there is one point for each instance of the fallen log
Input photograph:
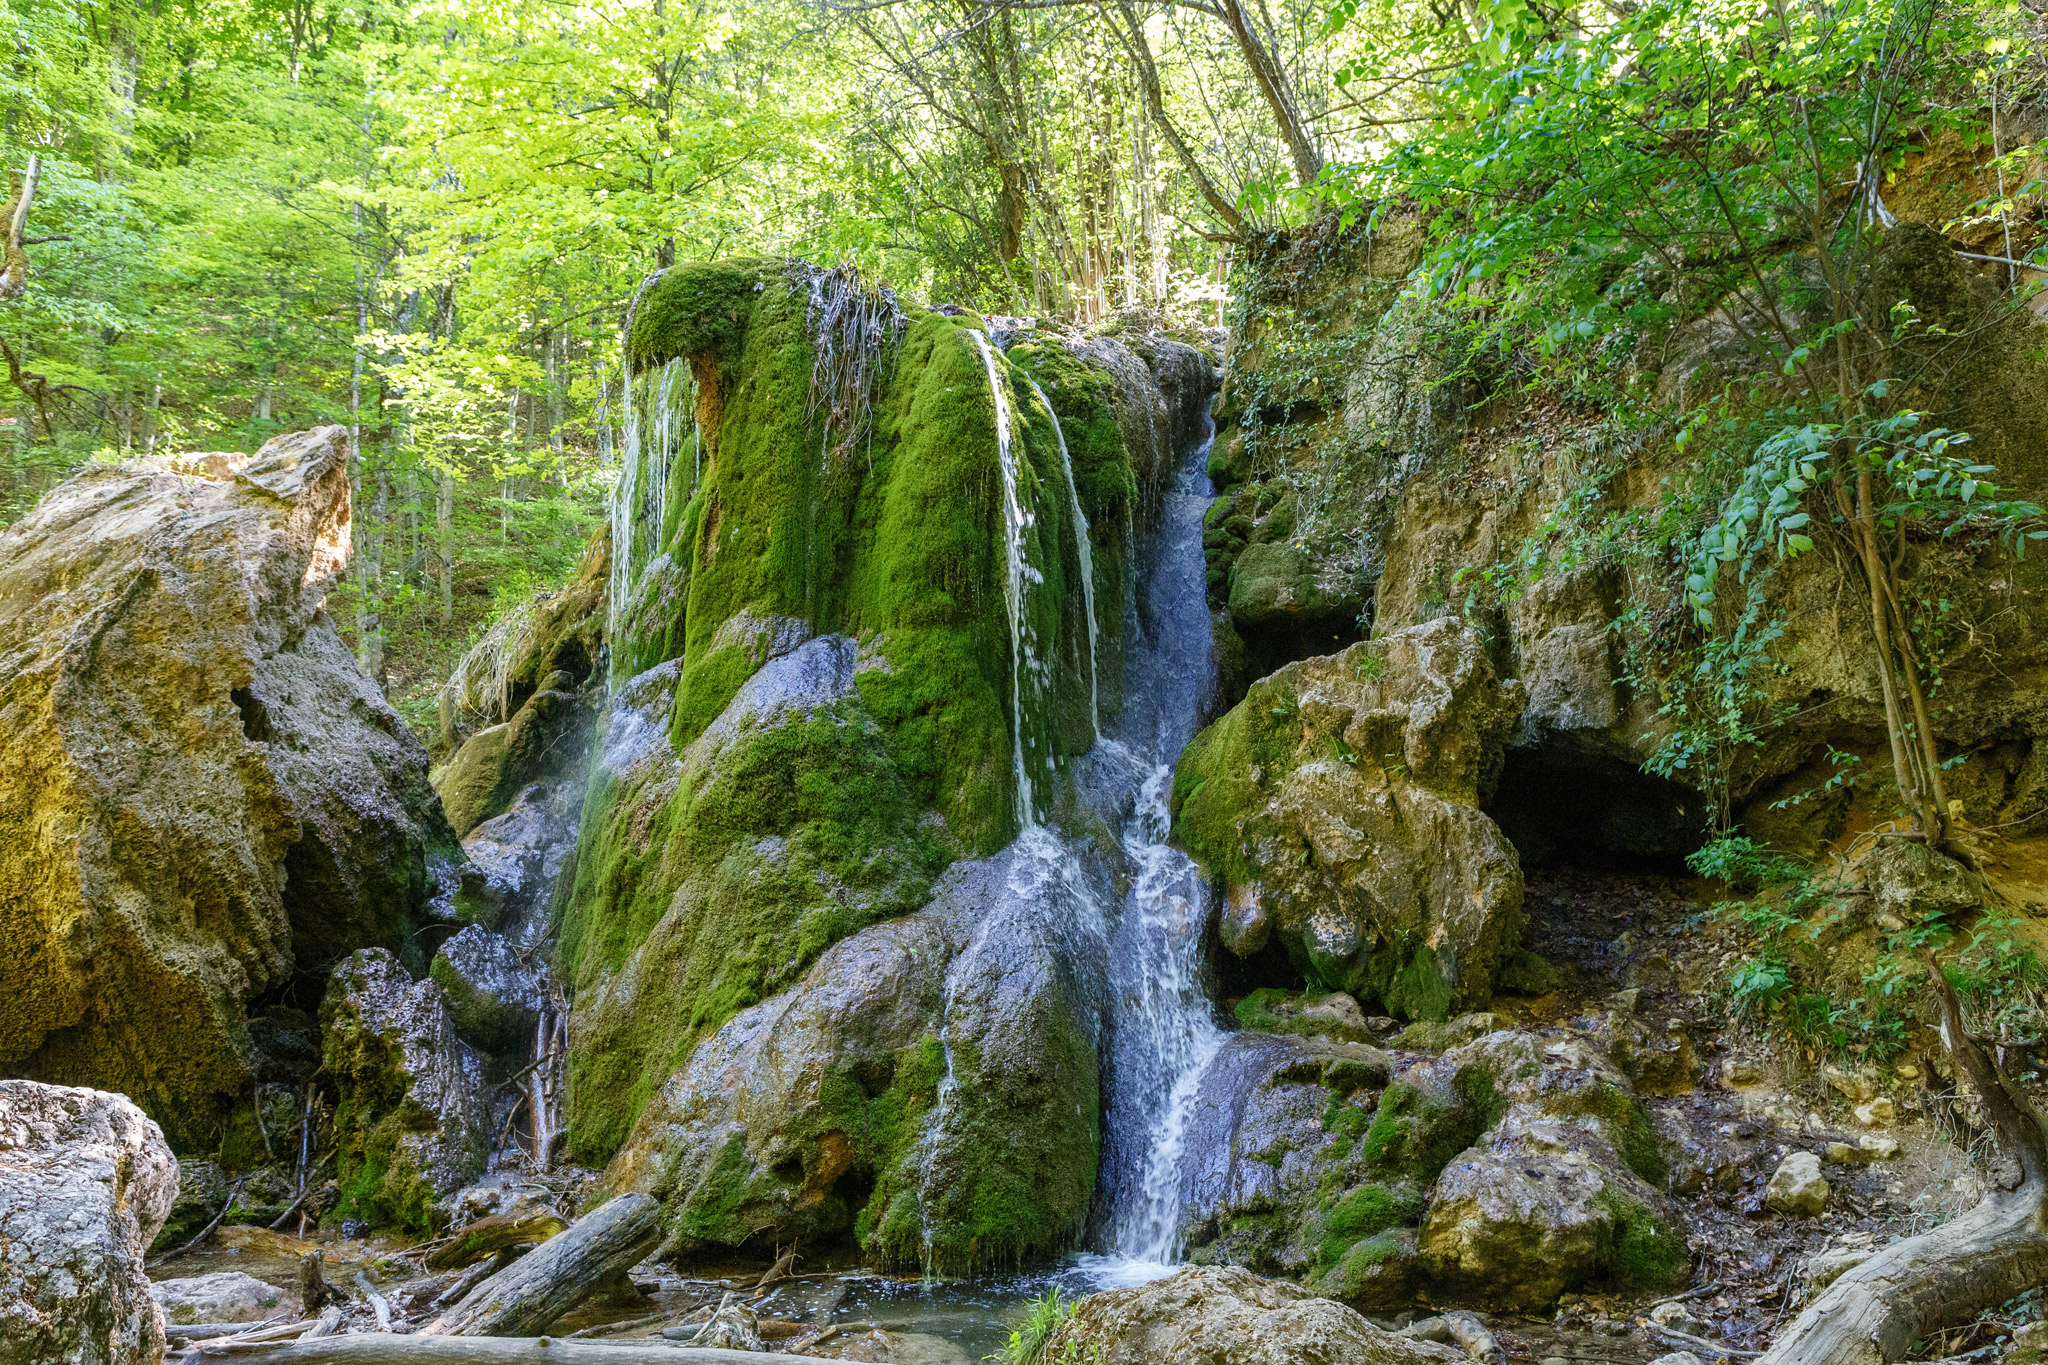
x,y
1874,1313
386,1348
486,1237
524,1297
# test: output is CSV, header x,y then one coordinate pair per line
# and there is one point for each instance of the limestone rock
x,y
224,1296
412,1090
201,798
495,994
202,1189
89,1180
1225,1315
1341,796
1911,881
519,857
1797,1186
550,642
819,1111
1559,1193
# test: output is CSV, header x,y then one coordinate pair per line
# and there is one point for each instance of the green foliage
x,y
1048,1313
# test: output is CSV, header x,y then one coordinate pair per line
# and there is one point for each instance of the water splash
x,y
1017,579
1081,537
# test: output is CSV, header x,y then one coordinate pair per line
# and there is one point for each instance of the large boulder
x,y
1558,1195
1339,806
223,1296
929,1087
1225,1315
202,799
410,1123
88,1181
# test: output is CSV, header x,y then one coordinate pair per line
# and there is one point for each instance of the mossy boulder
x,y
495,993
1338,805
409,1119
203,802
1563,1192
927,1092
829,708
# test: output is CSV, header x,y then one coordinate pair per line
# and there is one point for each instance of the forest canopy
x,y
425,221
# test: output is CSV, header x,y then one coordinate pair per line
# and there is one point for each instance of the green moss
x,y
1634,1139
1419,989
708,1210
1376,1271
1645,1255
1363,1213
1258,1012
698,308
1417,1129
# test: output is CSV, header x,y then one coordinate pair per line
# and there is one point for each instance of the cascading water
x,y
1017,580
652,416
1081,537
1162,1026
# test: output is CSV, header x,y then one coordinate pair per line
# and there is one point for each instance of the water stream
x,y
1018,577
1081,537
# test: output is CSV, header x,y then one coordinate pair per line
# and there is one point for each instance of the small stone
x,y
1906,1071
1797,1187
1738,1072
1842,1154
1379,1023
1555,1360
1879,1113
1855,1085
1675,1358
1624,1002
1876,1147
1676,1317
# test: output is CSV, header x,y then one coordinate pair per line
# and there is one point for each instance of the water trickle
x,y
1016,581
652,415
1081,536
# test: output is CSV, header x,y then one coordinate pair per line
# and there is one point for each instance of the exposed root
x,y
854,330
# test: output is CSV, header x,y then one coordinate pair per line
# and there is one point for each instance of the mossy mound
x,y
715,867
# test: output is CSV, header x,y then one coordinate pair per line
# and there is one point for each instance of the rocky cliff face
x,y
201,799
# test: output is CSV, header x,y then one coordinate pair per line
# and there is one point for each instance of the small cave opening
x,y
1234,977
1563,804
255,715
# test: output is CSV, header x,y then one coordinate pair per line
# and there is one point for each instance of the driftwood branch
x,y
1875,1312
382,1348
527,1295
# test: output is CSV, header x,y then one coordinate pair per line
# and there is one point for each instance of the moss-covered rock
x,y
927,1092
718,860
409,1122
1338,805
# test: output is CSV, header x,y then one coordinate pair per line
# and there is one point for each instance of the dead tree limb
x,y
532,1292
384,1348
13,260
1873,1314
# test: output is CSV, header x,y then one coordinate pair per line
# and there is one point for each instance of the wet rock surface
x,y
495,992
224,1296
201,798
413,1128
88,1180
1227,1316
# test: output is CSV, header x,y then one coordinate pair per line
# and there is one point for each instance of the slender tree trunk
x,y
1277,90
444,541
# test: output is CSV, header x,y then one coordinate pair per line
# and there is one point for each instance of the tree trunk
x,y
1131,33
444,542
13,260
530,1293
1279,93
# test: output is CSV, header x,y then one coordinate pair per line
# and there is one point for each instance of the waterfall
x,y
1081,536
1163,1030
1018,577
652,417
